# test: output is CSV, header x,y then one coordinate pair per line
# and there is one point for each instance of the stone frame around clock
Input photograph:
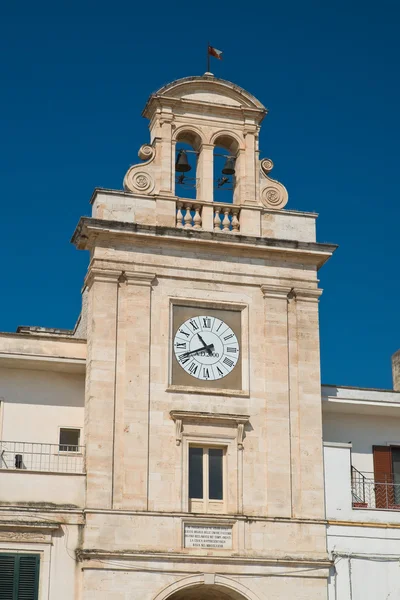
x,y
236,316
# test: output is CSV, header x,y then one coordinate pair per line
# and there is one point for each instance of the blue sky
x,y
75,77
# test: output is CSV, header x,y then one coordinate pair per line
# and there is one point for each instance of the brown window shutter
x,y
383,476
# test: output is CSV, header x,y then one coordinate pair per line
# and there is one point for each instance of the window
x,y
206,479
19,576
69,440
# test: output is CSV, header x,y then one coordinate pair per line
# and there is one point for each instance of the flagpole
x,y
208,57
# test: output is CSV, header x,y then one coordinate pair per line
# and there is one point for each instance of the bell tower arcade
x,y
203,392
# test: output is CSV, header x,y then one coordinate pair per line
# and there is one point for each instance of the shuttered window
x,y
383,476
19,576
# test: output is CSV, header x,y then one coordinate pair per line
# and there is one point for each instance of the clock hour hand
x,y
211,347
208,348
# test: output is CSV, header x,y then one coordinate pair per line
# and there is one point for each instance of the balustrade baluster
x,y
197,217
217,219
226,222
188,217
179,214
235,220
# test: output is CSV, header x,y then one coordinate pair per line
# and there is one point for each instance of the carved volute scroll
x,y
140,178
272,193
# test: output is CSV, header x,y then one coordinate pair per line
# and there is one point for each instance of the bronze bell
x,y
182,164
229,167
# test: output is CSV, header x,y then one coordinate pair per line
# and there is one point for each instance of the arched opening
x,y
196,587
187,149
225,175
206,592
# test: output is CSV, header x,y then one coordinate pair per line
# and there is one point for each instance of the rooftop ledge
x,y
88,229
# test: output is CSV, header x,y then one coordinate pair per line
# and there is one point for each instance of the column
x,y
205,174
277,400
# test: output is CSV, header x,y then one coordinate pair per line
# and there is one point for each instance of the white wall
x,y
35,404
363,431
366,563
55,488
366,555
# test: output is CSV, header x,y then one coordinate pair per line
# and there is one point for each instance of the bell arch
x,y
207,587
226,160
187,143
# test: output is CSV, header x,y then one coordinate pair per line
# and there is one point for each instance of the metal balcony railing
x,y
374,493
35,456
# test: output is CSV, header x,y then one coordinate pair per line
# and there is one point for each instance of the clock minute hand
x,y
211,347
208,348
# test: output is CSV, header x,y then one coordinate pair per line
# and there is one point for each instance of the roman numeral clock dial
x,y
206,348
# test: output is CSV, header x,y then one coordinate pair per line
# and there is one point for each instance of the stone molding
x,y
289,293
104,275
96,274
275,291
138,278
307,295
28,531
234,420
87,554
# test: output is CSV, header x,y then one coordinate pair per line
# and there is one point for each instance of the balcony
x,y
367,492
32,456
37,473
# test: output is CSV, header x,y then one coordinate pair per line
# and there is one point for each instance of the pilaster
x,y
277,400
305,404
134,461
100,384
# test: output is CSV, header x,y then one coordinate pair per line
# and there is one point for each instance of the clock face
x,y
206,348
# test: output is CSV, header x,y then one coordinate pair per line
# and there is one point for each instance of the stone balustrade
x,y
225,217
188,215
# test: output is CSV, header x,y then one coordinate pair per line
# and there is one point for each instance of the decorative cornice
x,y
235,420
313,253
300,561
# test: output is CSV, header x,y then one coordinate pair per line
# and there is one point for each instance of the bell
x,y
182,165
229,167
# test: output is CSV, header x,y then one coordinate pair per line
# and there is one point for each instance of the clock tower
x,y
203,393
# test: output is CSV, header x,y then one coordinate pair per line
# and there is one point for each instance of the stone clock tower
x,y
203,403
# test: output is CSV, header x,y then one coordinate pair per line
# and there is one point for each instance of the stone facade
x,y
143,265
151,252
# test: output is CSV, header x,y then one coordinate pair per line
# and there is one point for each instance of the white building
x,y
173,445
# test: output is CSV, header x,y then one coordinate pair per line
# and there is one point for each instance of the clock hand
x,y
211,347
204,344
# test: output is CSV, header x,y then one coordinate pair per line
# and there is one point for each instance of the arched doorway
x,y
207,587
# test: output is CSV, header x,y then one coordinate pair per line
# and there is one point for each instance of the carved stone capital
x,y
306,294
275,291
138,278
96,274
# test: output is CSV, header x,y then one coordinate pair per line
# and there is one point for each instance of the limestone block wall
x,y
133,460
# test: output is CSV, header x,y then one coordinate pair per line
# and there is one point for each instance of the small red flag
x,y
215,53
